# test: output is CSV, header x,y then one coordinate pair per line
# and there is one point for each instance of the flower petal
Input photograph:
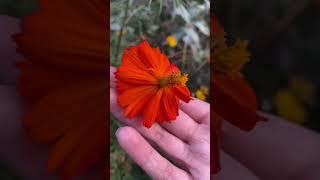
x,y
131,58
143,56
135,76
148,55
182,92
135,93
164,62
36,81
172,69
134,99
123,86
169,104
235,101
59,111
83,158
43,38
66,144
151,111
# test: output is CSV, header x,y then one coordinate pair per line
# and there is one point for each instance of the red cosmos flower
x,y
148,84
234,99
63,80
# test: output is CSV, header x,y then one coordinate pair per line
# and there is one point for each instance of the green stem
x,y
121,30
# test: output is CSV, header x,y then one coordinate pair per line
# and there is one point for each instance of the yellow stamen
x,y
230,60
173,79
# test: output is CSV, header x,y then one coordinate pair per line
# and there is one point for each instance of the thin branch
x,y
121,30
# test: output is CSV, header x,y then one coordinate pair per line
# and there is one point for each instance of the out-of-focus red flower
x,y
148,84
64,80
233,98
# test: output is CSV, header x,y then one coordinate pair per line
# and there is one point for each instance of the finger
x,y
15,149
183,127
112,78
275,149
232,169
197,110
9,56
146,157
170,144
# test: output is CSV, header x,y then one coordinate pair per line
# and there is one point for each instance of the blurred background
x,y
283,40
181,29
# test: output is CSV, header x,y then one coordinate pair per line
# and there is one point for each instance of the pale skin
x,y
276,149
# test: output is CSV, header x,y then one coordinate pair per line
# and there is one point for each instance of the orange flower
x,y
64,81
148,84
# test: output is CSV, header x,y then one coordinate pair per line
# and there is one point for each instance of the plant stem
x,y
121,30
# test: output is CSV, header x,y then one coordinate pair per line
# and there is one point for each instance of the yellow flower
x,y
202,93
288,106
172,41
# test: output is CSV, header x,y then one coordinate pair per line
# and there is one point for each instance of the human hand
x,y
15,151
276,149
186,141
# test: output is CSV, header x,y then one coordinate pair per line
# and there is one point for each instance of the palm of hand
x,y
185,141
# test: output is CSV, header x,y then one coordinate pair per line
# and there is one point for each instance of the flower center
x,y
230,59
173,79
